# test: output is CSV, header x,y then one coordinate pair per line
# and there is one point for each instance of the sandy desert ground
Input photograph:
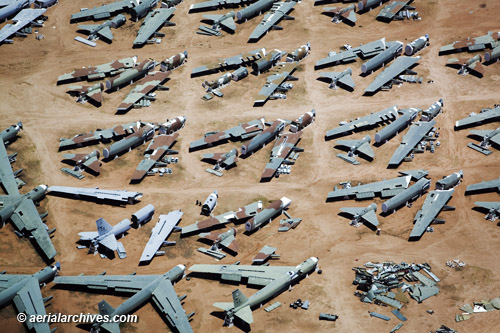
x,y
28,93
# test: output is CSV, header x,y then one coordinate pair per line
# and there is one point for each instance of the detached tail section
x,y
106,310
239,299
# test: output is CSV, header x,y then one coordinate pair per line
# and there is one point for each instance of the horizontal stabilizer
x,y
224,306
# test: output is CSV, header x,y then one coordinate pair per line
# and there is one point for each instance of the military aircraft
x,y
390,74
283,147
267,61
222,161
99,135
278,11
142,94
362,215
267,252
92,94
225,239
492,207
403,121
418,132
303,121
466,66
263,138
21,211
174,61
100,31
241,132
9,134
342,79
484,186
241,214
219,22
342,14
405,197
386,188
264,216
103,11
492,56
213,88
9,8
21,20
365,5
163,228
366,122
140,136
362,147
393,50
274,279
158,288
159,146
100,71
489,40
397,10
104,240
217,4
24,290
450,181
88,162
434,203
432,111
324,2
97,194
484,116
488,137
417,45
151,24
275,86
128,76
352,53
244,59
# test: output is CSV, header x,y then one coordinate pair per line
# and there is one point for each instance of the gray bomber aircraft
x,y
100,31
403,121
21,211
405,197
120,197
20,27
391,74
277,12
163,228
24,291
397,10
417,133
341,79
362,215
264,216
98,72
450,181
362,147
244,59
273,279
488,137
490,40
9,134
104,240
103,11
484,116
362,123
140,136
352,53
157,288
263,138
275,86
283,147
151,24
143,93
342,14
9,8
393,50
434,203
386,188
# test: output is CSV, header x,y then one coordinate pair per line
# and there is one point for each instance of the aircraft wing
x,y
391,10
215,4
154,21
230,62
123,283
7,177
282,148
273,81
480,133
104,11
208,223
415,134
166,224
433,204
277,12
27,220
160,145
488,205
387,188
22,19
145,86
168,303
484,185
256,275
29,300
351,210
399,65
346,143
485,116
364,122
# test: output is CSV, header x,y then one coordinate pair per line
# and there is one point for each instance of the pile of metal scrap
x,y
383,283
480,306
299,304
457,264
445,329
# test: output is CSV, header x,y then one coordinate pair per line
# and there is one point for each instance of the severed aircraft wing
x,y
484,186
29,300
486,115
166,224
22,19
399,65
104,11
434,202
145,86
277,12
168,303
7,177
255,275
122,283
215,4
273,81
488,205
282,148
415,134
154,21
392,9
28,221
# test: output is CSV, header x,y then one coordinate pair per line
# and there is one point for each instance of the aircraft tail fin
x,y
105,308
239,298
103,227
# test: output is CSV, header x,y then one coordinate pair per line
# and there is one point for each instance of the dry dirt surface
x,y
28,93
